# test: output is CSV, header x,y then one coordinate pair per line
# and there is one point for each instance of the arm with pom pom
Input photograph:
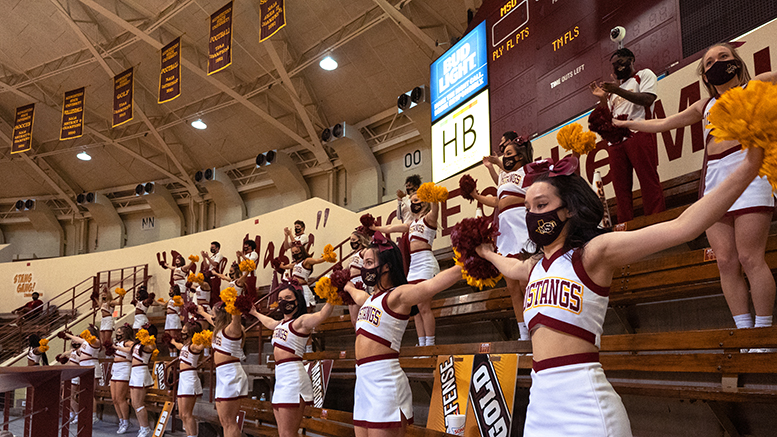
x,y
571,137
405,296
329,254
341,281
308,322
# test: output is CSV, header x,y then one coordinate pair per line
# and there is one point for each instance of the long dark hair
x,y
192,328
585,209
142,293
35,342
302,306
396,268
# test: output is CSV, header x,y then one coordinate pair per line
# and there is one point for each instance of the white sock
x,y
422,341
743,321
523,331
309,349
763,321
430,341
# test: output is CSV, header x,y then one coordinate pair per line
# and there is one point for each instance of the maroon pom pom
x,y
466,236
346,297
62,335
191,307
63,359
110,350
600,121
277,262
367,221
359,285
244,303
467,185
339,278
151,297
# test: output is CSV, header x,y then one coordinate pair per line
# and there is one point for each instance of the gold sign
x,y
272,15
22,128
123,86
220,41
170,74
72,115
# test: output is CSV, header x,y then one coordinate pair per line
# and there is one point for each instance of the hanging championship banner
x,y
123,86
22,128
272,15
170,74
319,372
220,41
473,395
72,115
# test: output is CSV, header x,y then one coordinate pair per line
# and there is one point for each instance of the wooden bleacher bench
x,y
679,191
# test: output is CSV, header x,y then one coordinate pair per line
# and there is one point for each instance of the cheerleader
x,y
301,268
568,290
89,348
236,278
511,212
173,315
231,379
120,375
293,389
180,271
189,384
142,349
739,237
143,301
72,358
383,402
359,242
202,294
36,353
107,303
423,265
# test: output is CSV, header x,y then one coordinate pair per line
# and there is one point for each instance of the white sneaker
x,y
123,427
95,419
144,432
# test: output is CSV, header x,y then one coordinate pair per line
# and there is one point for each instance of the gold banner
x,y
272,15
220,41
72,115
123,87
22,128
170,74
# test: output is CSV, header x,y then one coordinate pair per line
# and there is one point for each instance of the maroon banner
x,y
72,115
319,372
272,15
220,41
170,74
123,86
22,128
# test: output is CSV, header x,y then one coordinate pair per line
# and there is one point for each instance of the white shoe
x,y
144,432
123,427
95,419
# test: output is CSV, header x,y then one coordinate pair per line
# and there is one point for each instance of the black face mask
x,y
297,231
544,227
722,71
509,162
355,245
287,306
184,336
297,256
416,207
213,251
370,276
623,74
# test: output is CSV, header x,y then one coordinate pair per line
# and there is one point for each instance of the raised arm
x,y
201,311
405,296
266,321
234,329
606,252
388,229
241,281
308,322
310,262
358,296
492,163
431,217
510,267
177,345
220,275
770,76
689,116
491,201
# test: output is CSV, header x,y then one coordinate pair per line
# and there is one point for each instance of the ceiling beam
x,y
408,25
319,152
189,183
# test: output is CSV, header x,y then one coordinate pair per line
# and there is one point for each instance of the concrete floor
x,y
99,429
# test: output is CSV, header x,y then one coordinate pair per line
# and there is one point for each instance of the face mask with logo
x,y
416,207
722,71
509,162
287,306
370,276
355,245
544,227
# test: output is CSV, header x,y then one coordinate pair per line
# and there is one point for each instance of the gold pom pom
x,y
441,193
228,295
44,342
200,278
571,137
203,338
430,193
144,338
43,348
325,290
154,354
232,309
160,300
748,115
177,301
329,254
120,291
474,282
194,258
247,265
191,278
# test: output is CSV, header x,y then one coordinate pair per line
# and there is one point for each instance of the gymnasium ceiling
x,y
47,47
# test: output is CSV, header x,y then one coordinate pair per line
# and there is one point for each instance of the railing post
x,y
66,394
7,409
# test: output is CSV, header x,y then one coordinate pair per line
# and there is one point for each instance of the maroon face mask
x,y
544,227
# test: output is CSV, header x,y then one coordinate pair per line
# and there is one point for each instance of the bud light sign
x,y
460,72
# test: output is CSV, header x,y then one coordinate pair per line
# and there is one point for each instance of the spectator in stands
x,y
173,315
36,353
28,310
423,264
299,235
513,236
120,375
359,242
189,385
563,220
382,397
293,389
404,214
632,96
739,237
249,252
212,262
215,256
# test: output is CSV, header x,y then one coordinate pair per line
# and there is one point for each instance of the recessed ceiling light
x,y
83,156
328,63
199,124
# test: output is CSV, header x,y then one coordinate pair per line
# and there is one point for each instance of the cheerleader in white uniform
x,y
231,379
107,303
513,238
301,268
73,359
189,384
293,389
180,271
568,290
383,403
236,278
141,349
739,237
173,315
120,375
37,353
423,265
359,242
89,349
143,301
